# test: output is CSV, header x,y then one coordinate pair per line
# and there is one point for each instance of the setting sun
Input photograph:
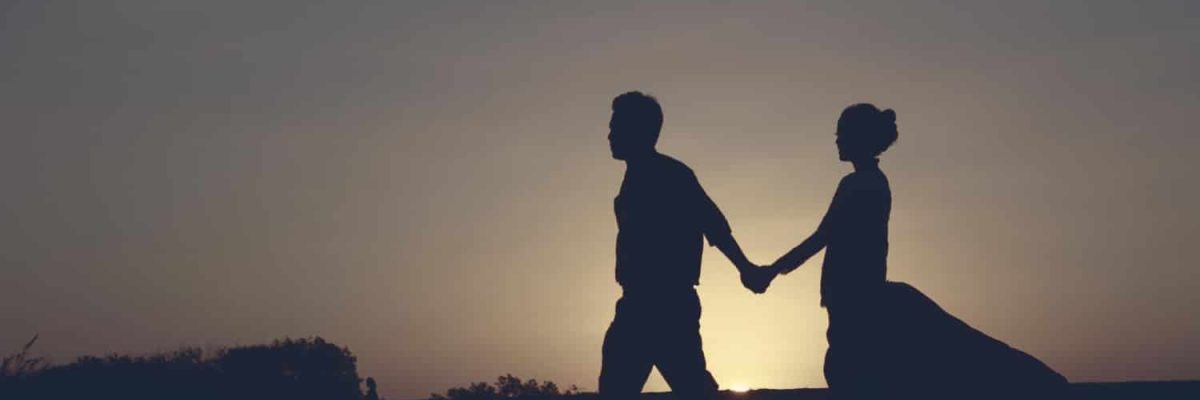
x,y
739,388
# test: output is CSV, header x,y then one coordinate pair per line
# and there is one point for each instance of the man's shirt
x,y
662,216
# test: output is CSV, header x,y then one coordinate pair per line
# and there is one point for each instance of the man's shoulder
x,y
670,166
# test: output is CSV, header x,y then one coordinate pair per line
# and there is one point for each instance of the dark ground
x,y
1167,390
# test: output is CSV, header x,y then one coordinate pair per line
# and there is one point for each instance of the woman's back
x,y
857,247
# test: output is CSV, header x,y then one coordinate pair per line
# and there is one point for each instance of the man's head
x,y
633,131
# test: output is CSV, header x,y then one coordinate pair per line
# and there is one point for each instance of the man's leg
x,y
680,355
683,367
626,359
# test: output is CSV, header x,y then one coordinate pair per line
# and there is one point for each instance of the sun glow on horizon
x,y
739,388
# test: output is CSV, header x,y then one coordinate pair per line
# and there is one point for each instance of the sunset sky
x,y
429,183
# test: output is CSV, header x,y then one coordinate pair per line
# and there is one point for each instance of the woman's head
x,y
864,132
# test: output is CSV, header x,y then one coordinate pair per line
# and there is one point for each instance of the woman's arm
x,y
801,253
815,242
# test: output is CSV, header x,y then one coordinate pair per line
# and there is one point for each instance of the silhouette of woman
x,y
886,339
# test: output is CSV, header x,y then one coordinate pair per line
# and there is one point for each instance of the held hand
x,y
757,279
779,267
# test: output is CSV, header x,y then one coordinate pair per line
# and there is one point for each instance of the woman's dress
x,y
887,339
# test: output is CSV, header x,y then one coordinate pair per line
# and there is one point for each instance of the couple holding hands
x,y
886,340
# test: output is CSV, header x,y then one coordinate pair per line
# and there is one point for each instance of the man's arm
x,y
753,277
714,225
720,235
729,246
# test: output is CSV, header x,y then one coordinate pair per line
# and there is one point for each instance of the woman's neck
x,y
865,164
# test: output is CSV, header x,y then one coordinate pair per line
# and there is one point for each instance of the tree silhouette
x,y
372,392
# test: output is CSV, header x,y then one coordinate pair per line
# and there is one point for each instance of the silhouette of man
x,y
663,216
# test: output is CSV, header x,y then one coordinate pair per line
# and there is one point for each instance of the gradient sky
x,y
429,183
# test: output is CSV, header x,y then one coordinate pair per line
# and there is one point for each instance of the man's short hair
x,y
642,110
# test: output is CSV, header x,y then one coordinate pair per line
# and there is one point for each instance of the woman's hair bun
x,y
869,126
889,115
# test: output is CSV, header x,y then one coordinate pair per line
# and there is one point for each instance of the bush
x,y
287,369
506,387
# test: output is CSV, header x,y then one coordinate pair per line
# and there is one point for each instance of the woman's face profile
x,y
844,147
